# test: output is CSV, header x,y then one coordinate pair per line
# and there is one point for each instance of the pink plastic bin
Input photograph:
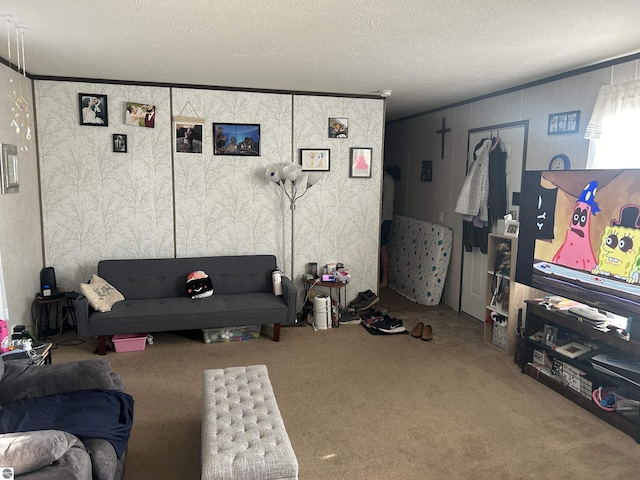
x,y
130,342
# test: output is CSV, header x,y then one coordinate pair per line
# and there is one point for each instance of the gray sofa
x,y
156,299
54,454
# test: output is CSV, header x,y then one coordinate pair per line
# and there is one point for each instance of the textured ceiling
x,y
430,53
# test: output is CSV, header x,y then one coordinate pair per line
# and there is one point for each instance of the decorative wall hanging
x,y
188,137
443,131
93,109
188,131
9,169
140,114
426,173
119,143
236,139
315,159
360,162
564,122
20,115
338,127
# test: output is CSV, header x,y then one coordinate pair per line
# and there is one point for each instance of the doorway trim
x,y
491,128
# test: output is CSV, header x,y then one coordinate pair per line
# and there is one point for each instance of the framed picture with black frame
x,y
236,139
360,166
119,143
564,122
315,159
93,109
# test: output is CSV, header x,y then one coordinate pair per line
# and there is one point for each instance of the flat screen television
x,y
580,237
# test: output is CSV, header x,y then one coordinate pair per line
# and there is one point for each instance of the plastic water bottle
x,y
4,337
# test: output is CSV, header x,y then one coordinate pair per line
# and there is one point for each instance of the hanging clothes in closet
x,y
483,197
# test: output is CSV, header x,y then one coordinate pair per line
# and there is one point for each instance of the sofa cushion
x,y
100,293
29,451
183,313
20,381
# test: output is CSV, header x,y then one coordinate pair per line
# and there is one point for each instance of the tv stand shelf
x,y
537,317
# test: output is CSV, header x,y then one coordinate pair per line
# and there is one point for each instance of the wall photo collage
x,y
233,139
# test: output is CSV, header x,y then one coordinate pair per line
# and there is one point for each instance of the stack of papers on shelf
x,y
619,366
561,303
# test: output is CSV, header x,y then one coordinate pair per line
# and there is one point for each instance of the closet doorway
x,y
474,264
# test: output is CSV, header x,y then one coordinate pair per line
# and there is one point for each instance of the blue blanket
x,y
104,414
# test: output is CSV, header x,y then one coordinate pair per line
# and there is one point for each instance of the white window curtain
x,y
614,127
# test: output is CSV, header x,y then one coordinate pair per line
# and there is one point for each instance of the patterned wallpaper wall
x,y
150,202
339,219
97,204
224,204
20,239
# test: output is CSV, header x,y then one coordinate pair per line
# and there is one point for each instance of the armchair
x,y
54,454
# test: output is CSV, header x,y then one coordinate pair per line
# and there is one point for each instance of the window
x,y
614,127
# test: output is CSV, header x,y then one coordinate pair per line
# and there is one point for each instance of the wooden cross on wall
x,y
443,131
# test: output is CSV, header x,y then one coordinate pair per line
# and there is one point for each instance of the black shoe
x,y
389,325
367,302
348,317
360,298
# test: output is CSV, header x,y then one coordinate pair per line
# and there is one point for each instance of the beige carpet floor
x,y
359,406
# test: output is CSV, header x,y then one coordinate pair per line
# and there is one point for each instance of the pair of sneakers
x,y
364,301
387,324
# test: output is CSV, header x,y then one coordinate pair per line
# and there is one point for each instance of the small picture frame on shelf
x,y
573,350
512,228
549,335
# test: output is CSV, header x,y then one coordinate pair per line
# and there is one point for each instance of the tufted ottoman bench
x,y
243,435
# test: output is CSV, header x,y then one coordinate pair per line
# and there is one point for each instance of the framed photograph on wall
x,y
564,122
236,139
315,159
119,143
93,109
188,137
360,166
140,114
338,127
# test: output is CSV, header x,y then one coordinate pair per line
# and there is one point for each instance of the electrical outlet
x,y
441,216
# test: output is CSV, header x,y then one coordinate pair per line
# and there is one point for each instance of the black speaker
x,y
48,279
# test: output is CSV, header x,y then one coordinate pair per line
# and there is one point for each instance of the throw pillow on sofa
x,y
100,294
30,451
199,285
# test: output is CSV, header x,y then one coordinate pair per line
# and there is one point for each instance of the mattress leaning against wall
x,y
419,253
